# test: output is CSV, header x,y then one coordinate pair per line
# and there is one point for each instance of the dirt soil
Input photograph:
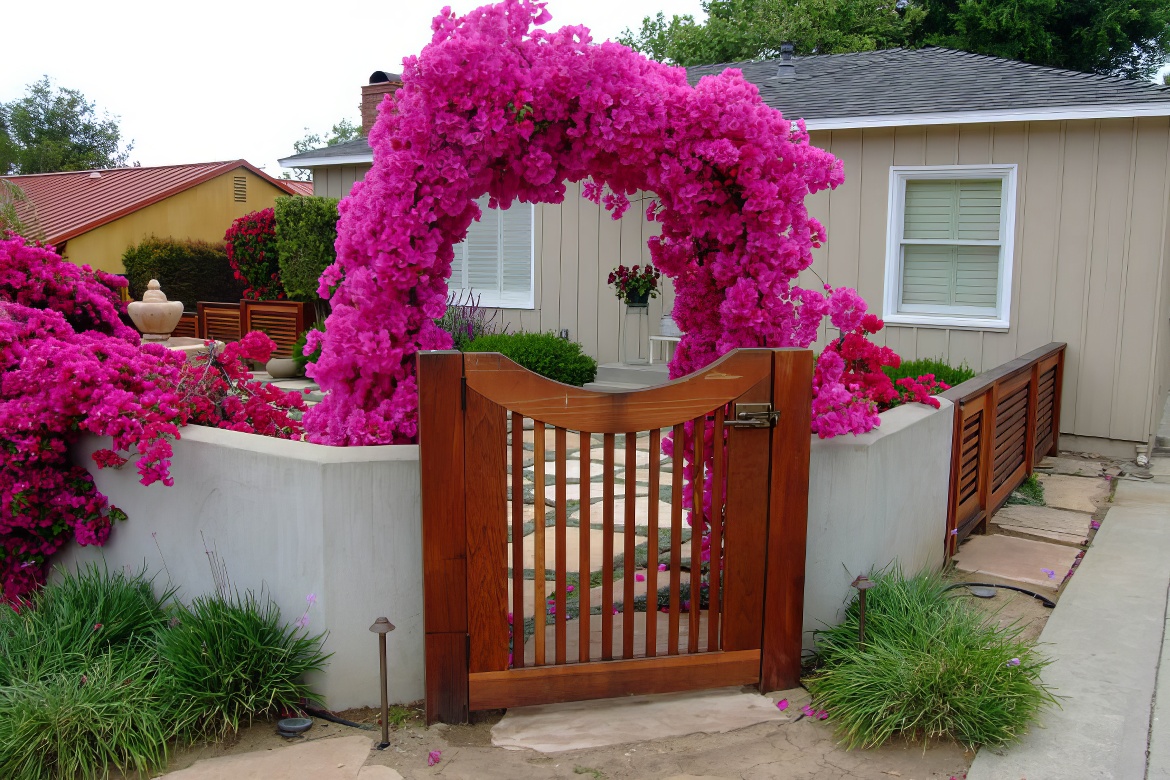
x,y
791,751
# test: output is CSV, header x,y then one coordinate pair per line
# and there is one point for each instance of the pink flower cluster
x,y
69,366
493,105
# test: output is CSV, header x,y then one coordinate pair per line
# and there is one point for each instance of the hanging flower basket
x,y
635,286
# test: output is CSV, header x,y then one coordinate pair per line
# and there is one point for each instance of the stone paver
x,y
1021,560
1105,639
1044,523
572,548
1073,467
619,587
318,759
1075,493
554,728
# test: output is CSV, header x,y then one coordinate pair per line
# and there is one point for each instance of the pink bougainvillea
x,y
68,366
493,105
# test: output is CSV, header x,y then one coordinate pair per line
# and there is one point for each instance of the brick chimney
x,y
381,84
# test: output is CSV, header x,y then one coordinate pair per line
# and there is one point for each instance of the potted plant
x,y
635,286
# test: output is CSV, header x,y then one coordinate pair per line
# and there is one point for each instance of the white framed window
x,y
950,245
496,260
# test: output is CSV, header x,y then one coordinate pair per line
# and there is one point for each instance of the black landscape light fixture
x,y
382,627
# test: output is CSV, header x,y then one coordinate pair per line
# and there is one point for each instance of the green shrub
x,y
187,271
306,229
230,659
943,371
86,718
932,666
544,353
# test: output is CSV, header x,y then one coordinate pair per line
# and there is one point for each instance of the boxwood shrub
x,y
306,229
546,354
188,271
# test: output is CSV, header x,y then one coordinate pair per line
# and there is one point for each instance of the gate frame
x,y
443,468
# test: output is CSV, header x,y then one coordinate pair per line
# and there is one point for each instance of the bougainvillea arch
x,y
496,105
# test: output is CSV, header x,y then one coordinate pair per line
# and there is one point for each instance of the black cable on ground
x,y
329,716
1043,599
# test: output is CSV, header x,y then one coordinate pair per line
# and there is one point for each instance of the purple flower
x,y
311,599
1051,574
1013,663
1094,525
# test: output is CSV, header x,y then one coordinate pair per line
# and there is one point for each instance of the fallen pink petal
x,y
662,567
433,757
639,578
782,705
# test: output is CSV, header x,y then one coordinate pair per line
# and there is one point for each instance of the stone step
x,y
1043,524
637,374
1020,560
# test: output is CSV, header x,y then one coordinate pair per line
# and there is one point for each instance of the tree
x,y
1119,37
56,129
737,30
16,212
341,132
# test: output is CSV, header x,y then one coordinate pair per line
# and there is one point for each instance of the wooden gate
x,y
533,487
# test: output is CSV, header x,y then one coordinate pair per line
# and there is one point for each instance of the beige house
x,y
989,207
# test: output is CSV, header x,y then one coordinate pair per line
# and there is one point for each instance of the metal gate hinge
x,y
754,416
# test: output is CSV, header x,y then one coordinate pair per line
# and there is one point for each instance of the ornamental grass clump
x,y
229,658
932,666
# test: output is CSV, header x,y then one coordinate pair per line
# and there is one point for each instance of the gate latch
x,y
754,416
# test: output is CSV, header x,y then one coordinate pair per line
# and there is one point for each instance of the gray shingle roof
x,y
929,80
356,146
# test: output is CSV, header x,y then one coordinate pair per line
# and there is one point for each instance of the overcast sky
x,y
219,80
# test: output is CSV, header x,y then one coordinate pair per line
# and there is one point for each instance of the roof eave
x,y
320,162
1058,113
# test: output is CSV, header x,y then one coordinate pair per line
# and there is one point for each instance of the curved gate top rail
x,y
657,596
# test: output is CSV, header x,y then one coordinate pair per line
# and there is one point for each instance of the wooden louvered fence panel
x,y
219,321
281,321
1006,419
188,326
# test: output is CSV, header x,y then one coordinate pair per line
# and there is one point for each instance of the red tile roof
x,y
301,187
74,202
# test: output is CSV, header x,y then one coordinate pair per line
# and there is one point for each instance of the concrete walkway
x,y
1107,642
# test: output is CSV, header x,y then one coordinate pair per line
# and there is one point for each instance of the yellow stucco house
x,y
92,217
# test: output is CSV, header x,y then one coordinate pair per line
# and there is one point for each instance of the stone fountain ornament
x,y
156,319
154,316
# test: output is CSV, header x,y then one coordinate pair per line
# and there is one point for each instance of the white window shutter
x,y
930,210
516,254
979,204
483,253
494,262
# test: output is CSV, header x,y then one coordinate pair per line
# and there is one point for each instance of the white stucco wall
x,y
344,523
293,518
872,500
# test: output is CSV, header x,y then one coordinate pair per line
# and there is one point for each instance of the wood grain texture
x,y
788,520
561,544
629,476
551,684
607,548
538,546
444,535
676,495
518,531
695,581
652,537
485,459
716,536
583,589
519,390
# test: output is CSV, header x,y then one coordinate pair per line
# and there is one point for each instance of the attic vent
x,y
787,69
241,189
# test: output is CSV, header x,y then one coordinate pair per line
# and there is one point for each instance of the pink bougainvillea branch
x,y
69,366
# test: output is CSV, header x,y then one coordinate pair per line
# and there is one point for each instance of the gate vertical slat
x,y
788,523
716,546
444,533
584,600
561,543
517,540
652,500
676,497
485,459
607,550
629,474
539,610
694,592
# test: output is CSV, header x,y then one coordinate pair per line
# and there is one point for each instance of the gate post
x,y
792,371
444,534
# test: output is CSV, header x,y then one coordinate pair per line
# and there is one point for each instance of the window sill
x,y
952,322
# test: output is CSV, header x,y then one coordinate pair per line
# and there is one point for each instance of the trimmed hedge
x,y
943,371
546,354
188,271
306,229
